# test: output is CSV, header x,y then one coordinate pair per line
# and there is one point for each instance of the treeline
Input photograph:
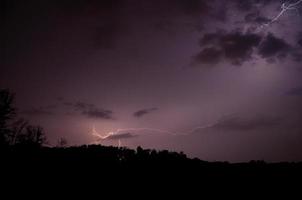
x,y
15,131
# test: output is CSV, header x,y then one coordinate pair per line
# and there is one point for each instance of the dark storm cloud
x,y
209,56
121,136
242,124
300,42
90,110
98,113
143,112
237,48
297,91
300,39
82,106
297,54
273,47
234,47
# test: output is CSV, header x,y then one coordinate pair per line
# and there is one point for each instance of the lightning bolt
x,y
154,130
284,7
143,129
95,133
107,135
116,132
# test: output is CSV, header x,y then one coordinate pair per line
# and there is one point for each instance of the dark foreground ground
x,y
121,172
101,161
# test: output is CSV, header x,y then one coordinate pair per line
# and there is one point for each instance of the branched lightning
x,y
284,7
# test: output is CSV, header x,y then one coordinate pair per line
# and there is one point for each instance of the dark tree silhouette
x,y
7,113
34,136
16,131
18,128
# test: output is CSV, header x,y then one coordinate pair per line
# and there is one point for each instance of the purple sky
x,y
203,77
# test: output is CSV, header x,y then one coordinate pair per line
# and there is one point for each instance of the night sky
x,y
218,80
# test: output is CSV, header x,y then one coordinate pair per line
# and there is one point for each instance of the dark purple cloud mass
x,y
90,110
78,64
273,47
238,48
143,112
221,47
121,136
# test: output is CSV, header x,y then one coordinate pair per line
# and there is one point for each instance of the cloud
x,y
234,123
98,113
273,47
115,136
297,91
121,136
299,39
209,55
143,112
90,110
235,47
82,106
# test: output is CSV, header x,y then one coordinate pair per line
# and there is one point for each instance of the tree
x,y
33,137
7,113
17,129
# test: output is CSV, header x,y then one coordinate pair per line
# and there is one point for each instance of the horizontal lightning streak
x,y
118,131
